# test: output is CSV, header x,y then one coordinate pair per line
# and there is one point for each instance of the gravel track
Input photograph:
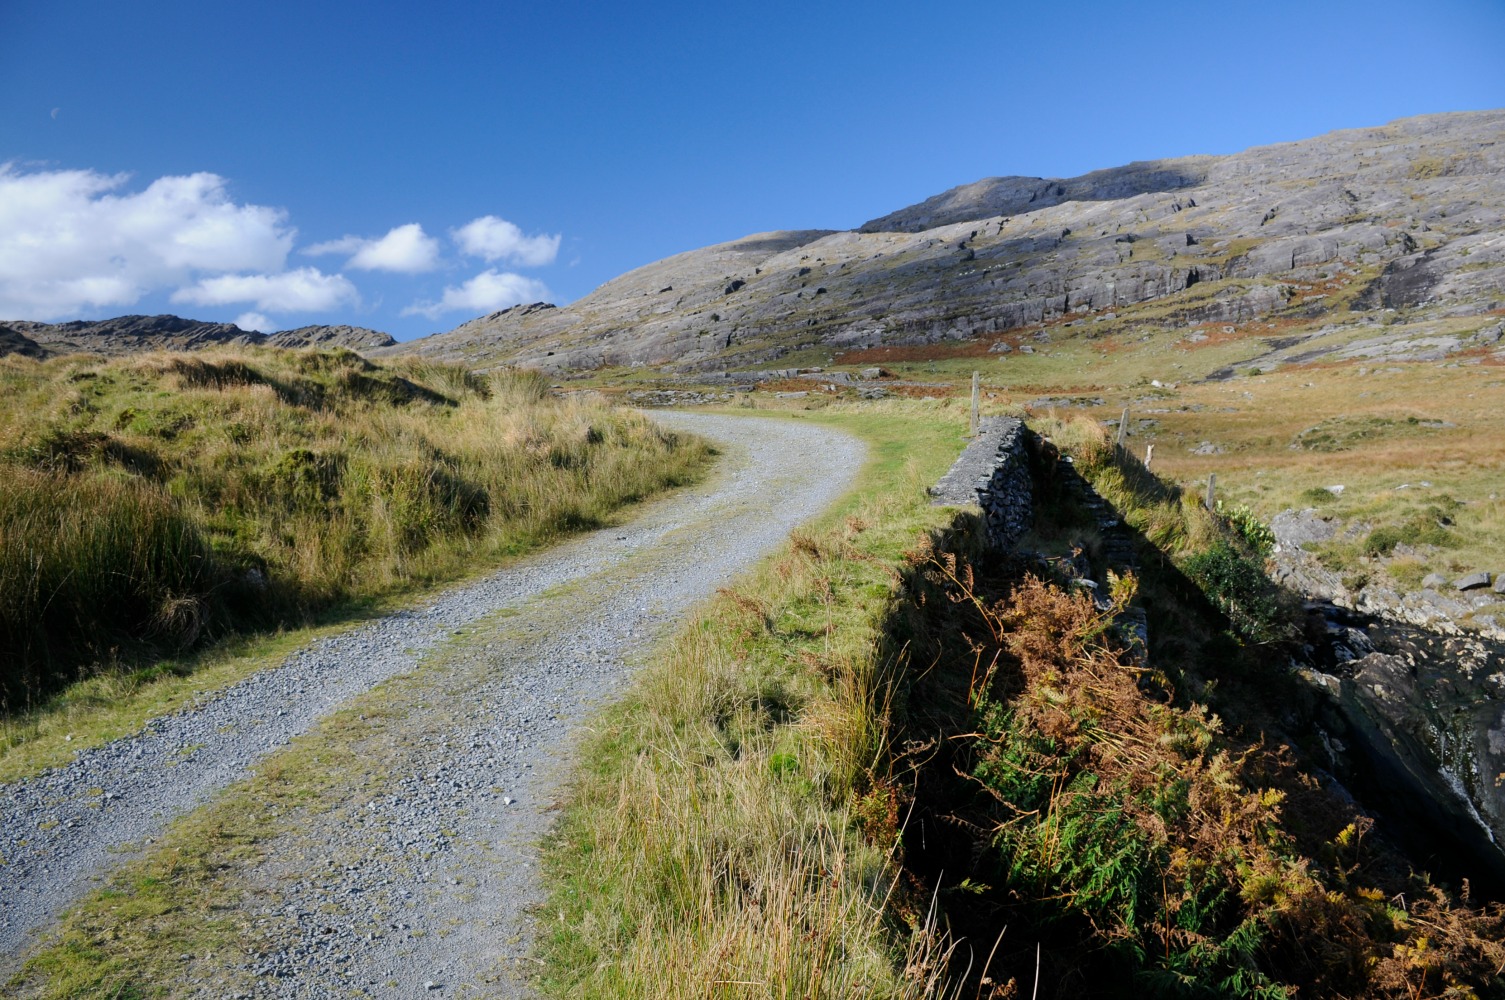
x,y
418,879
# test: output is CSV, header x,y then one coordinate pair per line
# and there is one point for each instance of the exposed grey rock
x,y
1198,232
134,334
1434,580
356,338
1295,528
1499,586
1471,581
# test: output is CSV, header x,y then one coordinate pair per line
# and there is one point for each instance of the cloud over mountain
x,y
304,290
493,239
486,292
404,250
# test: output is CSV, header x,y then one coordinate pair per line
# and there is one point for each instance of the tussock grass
x,y
732,832
150,503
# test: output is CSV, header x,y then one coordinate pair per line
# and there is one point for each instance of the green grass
x,y
731,823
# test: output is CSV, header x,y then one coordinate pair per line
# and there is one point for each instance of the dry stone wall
x,y
993,473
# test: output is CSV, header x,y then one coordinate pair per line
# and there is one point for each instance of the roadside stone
x,y
871,373
1472,581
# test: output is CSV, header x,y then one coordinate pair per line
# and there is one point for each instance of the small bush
x,y
1425,528
1255,533
1237,584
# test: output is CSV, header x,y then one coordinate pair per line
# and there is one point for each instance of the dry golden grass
x,y
728,835
151,502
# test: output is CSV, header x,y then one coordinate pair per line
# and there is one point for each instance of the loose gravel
x,y
420,878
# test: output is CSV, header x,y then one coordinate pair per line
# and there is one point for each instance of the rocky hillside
x,y
1410,215
132,334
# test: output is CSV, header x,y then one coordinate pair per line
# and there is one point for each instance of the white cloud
x,y
405,249
496,239
345,245
71,241
255,321
305,290
486,292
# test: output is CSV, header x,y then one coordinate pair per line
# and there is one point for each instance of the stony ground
x,y
417,874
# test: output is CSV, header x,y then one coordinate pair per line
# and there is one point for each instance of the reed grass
x,y
152,503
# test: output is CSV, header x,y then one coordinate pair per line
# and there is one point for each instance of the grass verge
x,y
731,832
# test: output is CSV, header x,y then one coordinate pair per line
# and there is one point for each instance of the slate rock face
x,y
1412,212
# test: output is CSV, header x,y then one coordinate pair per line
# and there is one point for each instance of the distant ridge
x,y
1409,215
134,334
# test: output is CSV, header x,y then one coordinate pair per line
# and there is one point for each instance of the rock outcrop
x,y
1408,215
355,338
134,334
13,341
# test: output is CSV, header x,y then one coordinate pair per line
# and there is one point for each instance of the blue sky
x,y
409,166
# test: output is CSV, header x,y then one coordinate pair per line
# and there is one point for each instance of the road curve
x,y
418,878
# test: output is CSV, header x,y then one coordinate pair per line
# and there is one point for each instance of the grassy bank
x,y
732,830
151,505
1148,832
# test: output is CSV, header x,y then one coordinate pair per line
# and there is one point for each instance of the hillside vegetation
x,y
892,766
151,503
1138,830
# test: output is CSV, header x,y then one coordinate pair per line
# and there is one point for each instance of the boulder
x,y
1472,581
1295,528
1433,580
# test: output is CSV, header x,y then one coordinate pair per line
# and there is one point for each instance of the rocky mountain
x,y
1410,215
133,334
356,338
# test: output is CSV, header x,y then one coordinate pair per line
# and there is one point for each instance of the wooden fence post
x,y
1149,454
1123,428
976,391
1212,490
